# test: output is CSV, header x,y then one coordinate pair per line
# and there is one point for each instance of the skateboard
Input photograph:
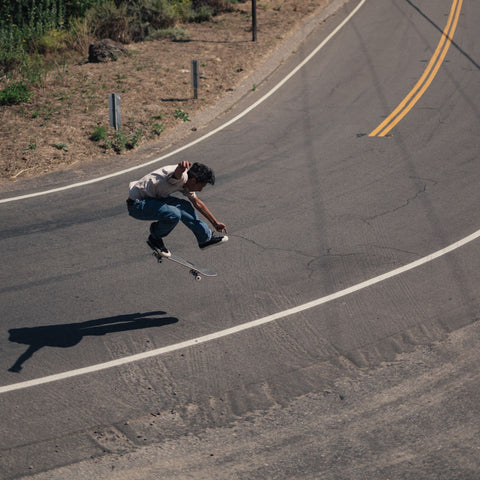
x,y
197,272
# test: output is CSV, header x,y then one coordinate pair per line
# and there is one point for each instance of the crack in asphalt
x,y
421,190
328,253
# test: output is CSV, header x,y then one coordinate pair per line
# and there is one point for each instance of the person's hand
x,y
221,227
181,167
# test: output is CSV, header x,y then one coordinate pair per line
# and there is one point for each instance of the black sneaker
x,y
158,245
214,240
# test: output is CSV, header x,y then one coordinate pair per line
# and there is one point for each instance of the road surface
x,y
276,368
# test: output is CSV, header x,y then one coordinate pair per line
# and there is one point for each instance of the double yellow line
x,y
428,75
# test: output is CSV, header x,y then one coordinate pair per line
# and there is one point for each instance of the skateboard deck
x,y
197,272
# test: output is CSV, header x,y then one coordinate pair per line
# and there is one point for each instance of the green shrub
x,y
216,6
51,13
173,34
100,133
124,21
31,28
107,20
15,93
204,13
148,16
79,36
53,41
133,140
121,141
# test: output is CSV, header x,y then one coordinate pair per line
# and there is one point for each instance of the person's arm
x,y
203,209
181,167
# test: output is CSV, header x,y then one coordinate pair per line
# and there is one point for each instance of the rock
x,y
105,51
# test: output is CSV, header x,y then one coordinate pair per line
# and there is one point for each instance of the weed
x,y
31,146
158,128
179,113
62,70
134,139
47,112
61,146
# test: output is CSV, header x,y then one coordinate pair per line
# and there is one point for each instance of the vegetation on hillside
x,y
35,35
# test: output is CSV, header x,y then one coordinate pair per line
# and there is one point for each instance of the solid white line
x,y
204,137
244,326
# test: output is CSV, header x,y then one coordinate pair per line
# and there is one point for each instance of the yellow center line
x,y
427,77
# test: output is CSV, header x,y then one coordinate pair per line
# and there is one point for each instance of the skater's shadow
x,y
70,334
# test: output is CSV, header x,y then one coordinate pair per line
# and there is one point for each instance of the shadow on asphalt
x,y
70,334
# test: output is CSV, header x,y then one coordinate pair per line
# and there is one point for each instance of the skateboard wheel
x,y
196,275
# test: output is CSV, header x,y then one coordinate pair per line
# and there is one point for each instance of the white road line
x,y
242,327
204,137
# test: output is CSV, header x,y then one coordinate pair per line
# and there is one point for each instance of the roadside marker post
x,y
254,20
195,78
114,108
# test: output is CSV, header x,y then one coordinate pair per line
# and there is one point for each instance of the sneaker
x,y
214,240
158,245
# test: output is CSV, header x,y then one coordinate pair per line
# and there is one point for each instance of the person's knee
x,y
172,215
185,205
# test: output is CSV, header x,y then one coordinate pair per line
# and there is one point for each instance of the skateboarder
x,y
150,198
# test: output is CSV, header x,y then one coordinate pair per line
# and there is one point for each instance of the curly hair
x,y
201,173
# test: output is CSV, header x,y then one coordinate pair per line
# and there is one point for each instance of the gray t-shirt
x,y
160,184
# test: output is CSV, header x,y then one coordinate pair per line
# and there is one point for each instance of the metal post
x,y
114,107
254,20
195,78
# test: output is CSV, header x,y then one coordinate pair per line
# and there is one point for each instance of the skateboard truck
x,y
196,274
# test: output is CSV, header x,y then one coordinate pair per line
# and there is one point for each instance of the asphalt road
x,y
381,382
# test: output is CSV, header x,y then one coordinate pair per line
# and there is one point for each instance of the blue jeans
x,y
167,212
